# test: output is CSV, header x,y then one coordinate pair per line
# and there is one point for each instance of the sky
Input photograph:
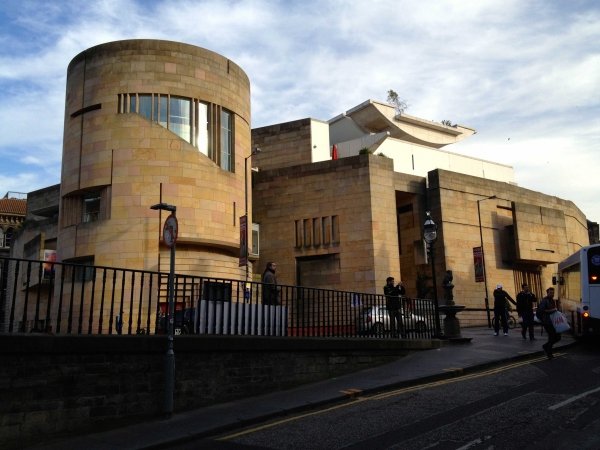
x,y
524,73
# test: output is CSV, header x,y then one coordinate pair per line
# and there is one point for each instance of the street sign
x,y
170,230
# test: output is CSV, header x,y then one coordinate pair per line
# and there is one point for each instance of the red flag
x,y
334,154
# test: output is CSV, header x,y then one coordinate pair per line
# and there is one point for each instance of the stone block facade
x,y
131,157
335,214
348,224
515,224
54,386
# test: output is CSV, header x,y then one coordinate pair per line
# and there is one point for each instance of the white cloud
x,y
527,71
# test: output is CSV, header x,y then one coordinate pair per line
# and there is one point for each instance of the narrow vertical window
x,y
202,128
163,111
226,141
132,103
255,238
180,118
145,106
2,238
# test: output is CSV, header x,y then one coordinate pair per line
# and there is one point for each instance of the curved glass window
x,y
208,127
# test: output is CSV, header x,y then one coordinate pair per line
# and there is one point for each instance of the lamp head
x,y
164,207
429,229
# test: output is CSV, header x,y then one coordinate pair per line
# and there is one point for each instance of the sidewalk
x,y
485,349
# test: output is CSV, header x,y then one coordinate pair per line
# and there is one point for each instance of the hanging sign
x,y
170,230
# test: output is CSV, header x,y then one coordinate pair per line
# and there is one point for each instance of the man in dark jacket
x,y
501,299
270,292
392,301
526,301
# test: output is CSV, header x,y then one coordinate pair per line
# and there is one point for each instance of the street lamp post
x,y
254,152
430,236
170,230
487,302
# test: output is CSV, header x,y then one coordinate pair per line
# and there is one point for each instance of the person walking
x,y
526,301
392,300
270,293
501,299
546,307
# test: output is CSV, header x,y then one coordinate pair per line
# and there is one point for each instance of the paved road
x,y
483,351
537,404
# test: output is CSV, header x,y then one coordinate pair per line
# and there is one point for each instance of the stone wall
x,y
283,145
53,385
454,200
352,199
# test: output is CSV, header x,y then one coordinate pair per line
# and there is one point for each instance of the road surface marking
x,y
355,400
572,399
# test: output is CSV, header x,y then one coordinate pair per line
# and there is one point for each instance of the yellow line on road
x,y
385,395
472,376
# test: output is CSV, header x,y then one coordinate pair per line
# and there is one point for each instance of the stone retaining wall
x,y
56,385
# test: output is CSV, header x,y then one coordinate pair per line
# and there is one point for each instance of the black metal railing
x,y
68,298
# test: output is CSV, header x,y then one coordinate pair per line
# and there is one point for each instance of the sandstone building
x,y
150,122
349,223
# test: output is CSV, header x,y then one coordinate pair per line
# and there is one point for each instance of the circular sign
x,y
170,231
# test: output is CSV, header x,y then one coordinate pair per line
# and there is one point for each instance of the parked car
x,y
376,320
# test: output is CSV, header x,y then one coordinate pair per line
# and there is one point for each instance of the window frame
x,y
91,215
226,140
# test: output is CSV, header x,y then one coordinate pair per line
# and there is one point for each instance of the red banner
x,y
478,262
243,241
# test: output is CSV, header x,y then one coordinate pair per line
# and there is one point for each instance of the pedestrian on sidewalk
x,y
546,307
501,299
270,291
526,301
392,301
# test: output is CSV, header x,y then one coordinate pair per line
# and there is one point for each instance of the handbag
x,y
559,322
